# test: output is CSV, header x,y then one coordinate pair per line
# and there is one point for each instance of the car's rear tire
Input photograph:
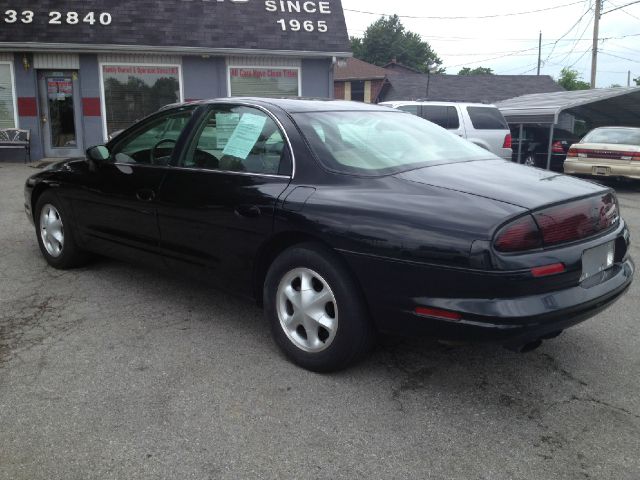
x,y
529,161
317,311
55,233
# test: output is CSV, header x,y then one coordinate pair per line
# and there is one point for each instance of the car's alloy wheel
x,y
317,311
55,231
307,310
529,161
51,230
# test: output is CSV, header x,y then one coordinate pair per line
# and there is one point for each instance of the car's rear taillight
x,y
507,141
560,224
630,156
557,147
521,235
577,220
573,152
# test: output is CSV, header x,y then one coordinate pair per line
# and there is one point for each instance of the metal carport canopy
x,y
601,107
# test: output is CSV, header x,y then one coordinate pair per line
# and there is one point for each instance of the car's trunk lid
x,y
506,182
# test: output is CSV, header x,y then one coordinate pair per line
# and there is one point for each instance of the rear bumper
x,y
614,168
503,307
521,320
505,153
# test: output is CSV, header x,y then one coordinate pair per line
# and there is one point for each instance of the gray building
x,y
75,71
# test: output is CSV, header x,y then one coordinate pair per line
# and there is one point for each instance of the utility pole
x,y
539,52
596,35
629,78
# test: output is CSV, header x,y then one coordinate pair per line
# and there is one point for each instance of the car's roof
x,y
293,105
429,102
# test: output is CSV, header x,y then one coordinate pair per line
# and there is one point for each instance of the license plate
x,y
598,259
600,170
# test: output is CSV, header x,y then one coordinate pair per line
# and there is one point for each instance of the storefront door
x,y
60,114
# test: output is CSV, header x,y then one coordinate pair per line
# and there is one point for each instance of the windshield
x,y
617,136
380,143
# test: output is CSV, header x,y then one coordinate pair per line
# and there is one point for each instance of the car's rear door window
x,y
437,114
487,118
454,120
238,139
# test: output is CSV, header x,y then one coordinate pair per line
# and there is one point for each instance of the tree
x,y
637,80
571,80
476,71
387,38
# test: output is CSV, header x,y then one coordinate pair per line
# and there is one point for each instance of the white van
x,y
479,123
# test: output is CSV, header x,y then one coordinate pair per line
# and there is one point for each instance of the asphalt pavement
x,y
114,371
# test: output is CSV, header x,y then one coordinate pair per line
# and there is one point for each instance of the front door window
x,y
153,142
61,112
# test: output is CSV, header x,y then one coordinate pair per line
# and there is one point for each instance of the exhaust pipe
x,y
525,347
533,345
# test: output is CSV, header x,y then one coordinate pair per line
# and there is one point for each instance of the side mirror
x,y
98,154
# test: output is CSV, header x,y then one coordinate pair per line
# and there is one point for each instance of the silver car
x,y
481,124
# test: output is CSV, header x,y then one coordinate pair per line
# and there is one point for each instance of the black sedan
x,y
343,220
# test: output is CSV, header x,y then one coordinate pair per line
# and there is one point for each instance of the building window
x,y
264,82
132,92
7,98
357,91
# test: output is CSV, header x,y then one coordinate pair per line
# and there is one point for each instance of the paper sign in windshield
x,y
245,136
226,123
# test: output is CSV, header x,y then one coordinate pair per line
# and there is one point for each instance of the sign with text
x,y
309,25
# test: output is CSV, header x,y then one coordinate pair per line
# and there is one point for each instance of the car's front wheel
x,y
317,313
529,161
54,229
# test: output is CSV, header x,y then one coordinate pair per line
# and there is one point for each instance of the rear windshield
x,y
618,136
381,143
487,118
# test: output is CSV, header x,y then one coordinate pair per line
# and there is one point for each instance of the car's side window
x,y
154,141
412,109
454,120
238,139
436,114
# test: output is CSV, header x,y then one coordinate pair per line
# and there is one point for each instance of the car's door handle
x,y
145,195
249,211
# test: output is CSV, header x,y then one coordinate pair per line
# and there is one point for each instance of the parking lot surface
x,y
116,371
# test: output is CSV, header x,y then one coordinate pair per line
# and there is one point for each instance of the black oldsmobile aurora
x,y
343,220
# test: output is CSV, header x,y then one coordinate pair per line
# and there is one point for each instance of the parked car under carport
x,y
535,146
581,111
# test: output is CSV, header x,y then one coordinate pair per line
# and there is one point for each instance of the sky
x,y
509,44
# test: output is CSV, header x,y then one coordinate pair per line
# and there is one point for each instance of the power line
x,y
624,11
617,56
465,18
580,58
621,7
491,53
522,53
575,45
569,31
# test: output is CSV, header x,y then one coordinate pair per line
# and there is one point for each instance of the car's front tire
x,y
55,233
317,312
